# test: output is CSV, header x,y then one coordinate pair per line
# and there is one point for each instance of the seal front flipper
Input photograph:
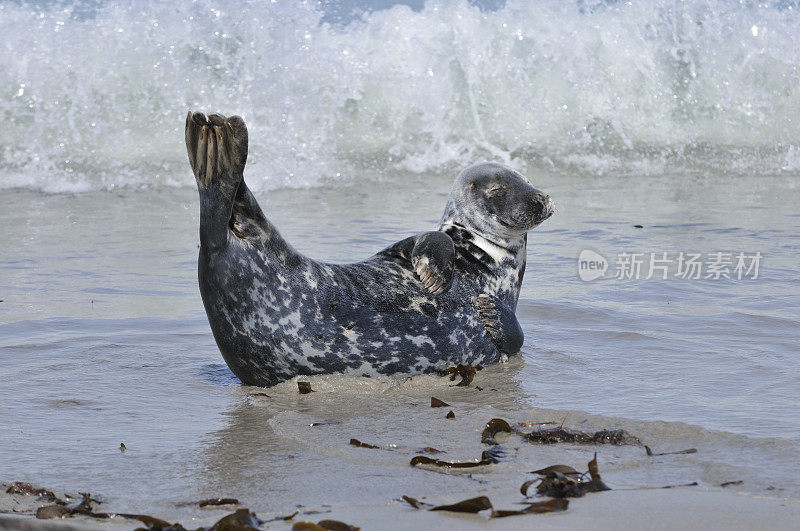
x,y
500,322
433,260
217,148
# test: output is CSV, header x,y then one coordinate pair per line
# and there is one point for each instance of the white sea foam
x,y
93,96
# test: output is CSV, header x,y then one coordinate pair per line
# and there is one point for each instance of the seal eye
x,y
496,189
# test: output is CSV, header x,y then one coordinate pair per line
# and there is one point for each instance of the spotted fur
x,y
412,308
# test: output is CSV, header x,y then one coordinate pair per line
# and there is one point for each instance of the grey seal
x,y
438,298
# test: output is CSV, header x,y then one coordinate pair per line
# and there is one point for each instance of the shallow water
x,y
679,117
104,340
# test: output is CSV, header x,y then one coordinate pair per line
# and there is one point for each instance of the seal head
x,y
496,202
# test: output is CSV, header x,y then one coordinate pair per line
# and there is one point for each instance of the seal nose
x,y
543,205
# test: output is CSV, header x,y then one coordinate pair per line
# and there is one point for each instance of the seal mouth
x,y
548,209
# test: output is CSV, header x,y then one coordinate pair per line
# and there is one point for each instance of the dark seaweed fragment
x,y
692,484
356,442
472,505
435,402
564,435
430,450
239,520
731,483
325,423
415,503
492,428
304,388
651,454
549,506
559,486
19,487
564,469
53,511
330,525
157,524
486,459
562,481
450,415
467,373
596,484
218,501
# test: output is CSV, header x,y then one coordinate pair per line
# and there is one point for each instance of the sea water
x,y
661,130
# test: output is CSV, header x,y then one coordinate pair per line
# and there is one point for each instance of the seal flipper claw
x,y
433,260
217,148
500,323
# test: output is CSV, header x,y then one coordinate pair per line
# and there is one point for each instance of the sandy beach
x,y
649,509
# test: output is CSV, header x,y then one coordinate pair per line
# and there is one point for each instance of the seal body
x,y
426,302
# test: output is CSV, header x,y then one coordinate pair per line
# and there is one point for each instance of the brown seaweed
x,y
549,506
336,525
651,454
472,505
596,484
467,373
304,388
430,450
525,486
731,483
450,415
564,469
435,402
562,481
19,487
53,511
559,486
564,435
157,524
492,428
356,442
240,520
218,501
415,503
486,459
330,525
692,484
482,503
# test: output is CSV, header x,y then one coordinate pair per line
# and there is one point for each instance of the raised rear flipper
x,y
217,148
500,322
433,260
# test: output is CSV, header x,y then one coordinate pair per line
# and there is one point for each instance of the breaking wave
x,y
93,95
